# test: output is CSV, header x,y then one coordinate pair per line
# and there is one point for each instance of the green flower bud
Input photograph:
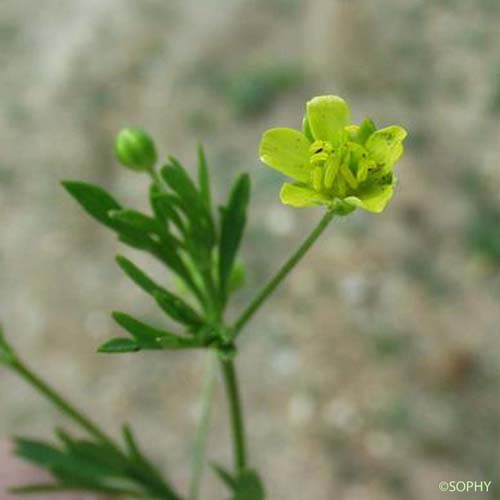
x,y
135,149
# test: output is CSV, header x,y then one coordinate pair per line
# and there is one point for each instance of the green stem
x,y
236,416
157,178
21,369
203,427
282,273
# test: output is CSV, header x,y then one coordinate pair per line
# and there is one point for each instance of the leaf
x,y
225,476
191,202
38,452
30,489
146,469
93,199
173,305
140,278
179,181
177,309
246,486
232,227
84,465
99,204
204,178
148,337
138,221
165,206
61,464
170,257
41,488
145,335
238,276
249,487
132,446
108,461
175,343
119,345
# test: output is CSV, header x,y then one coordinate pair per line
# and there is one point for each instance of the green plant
x,y
336,164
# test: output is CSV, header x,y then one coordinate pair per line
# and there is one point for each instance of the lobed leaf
x,y
138,221
132,447
165,207
173,305
60,463
99,204
119,345
149,337
247,485
170,257
176,343
225,476
84,465
204,178
145,335
232,227
94,200
177,309
192,203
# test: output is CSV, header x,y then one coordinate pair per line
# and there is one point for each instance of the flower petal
x,y
307,129
375,198
286,150
298,195
327,116
386,146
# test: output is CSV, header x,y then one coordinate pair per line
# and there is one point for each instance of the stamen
x,y
319,158
341,187
362,173
316,147
317,178
346,172
364,165
332,168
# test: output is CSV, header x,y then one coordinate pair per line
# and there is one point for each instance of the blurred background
x,y
374,373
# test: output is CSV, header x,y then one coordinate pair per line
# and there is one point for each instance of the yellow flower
x,y
333,162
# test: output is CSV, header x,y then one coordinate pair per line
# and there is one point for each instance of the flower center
x,y
332,169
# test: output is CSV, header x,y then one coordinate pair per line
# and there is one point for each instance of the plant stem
x,y
228,368
282,273
236,416
203,427
21,369
157,178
